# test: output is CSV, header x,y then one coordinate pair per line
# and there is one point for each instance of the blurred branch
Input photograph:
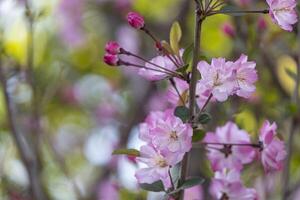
x,y
26,154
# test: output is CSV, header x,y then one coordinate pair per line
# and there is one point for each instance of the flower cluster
x,y
230,148
168,139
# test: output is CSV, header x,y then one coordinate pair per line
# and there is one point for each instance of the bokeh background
x,y
73,110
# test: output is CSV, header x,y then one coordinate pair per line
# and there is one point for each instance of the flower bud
x,y
135,20
112,47
111,59
228,30
262,24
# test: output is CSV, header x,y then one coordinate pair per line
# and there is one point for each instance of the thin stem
x,y
206,103
177,91
192,89
232,144
239,12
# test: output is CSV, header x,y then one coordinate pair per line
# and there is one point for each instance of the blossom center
x,y
227,150
173,135
161,162
224,197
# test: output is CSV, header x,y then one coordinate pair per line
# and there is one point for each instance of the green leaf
x,y
292,74
183,69
153,187
188,184
203,118
198,135
187,54
231,10
182,112
167,46
175,36
129,152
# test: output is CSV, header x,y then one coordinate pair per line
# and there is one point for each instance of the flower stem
x,y
266,11
192,90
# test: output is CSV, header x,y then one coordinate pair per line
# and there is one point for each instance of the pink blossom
x,y
228,156
273,150
111,59
228,29
108,191
173,96
135,20
246,76
161,65
112,47
203,93
283,13
157,168
217,77
228,185
193,193
262,24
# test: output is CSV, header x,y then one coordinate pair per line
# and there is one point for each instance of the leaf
x,y
198,135
231,10
183,69
204,118
187,54
153,187
188,184
292,74
175,36
129,152
182,112
167,46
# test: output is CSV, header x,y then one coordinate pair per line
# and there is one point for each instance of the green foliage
x,y
203,118
153,187
128,152
182,112
188,184
198,135
175,36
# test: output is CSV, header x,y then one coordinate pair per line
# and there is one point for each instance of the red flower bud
x,y
135,20
111,59
112,47
228,29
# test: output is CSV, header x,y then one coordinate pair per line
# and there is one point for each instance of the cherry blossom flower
x,y
222,153
162,66
203,93
158,166
108,191
273,150
111,59
217,77
112,47
283,13
246,76
135,20
173,96
227,185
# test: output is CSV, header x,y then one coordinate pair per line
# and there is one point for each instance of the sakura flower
x,y
108,190
202,94
135,20
222,153
283,13
217,77
273,150
158,68
112,47
227,185
246,76
111,59
157,168
182,90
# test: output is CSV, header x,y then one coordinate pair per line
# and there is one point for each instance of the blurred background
x,y
63,111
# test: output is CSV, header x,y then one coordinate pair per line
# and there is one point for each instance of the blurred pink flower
x,y
157,168
273,151
217,77
111,59
283,13
108,191
159,72
228,29
228,156
193,193
262,24
135,20
112,47
246,76
228,185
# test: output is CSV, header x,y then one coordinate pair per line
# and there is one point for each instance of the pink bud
x,y
135,20
228,29
262,24
112,47
111,59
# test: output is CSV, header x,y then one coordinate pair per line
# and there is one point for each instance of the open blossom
x,y
273,150
246,76
135,20
167,132
112,47
227,185
157,69
157,168
217,77
228,156
283,13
